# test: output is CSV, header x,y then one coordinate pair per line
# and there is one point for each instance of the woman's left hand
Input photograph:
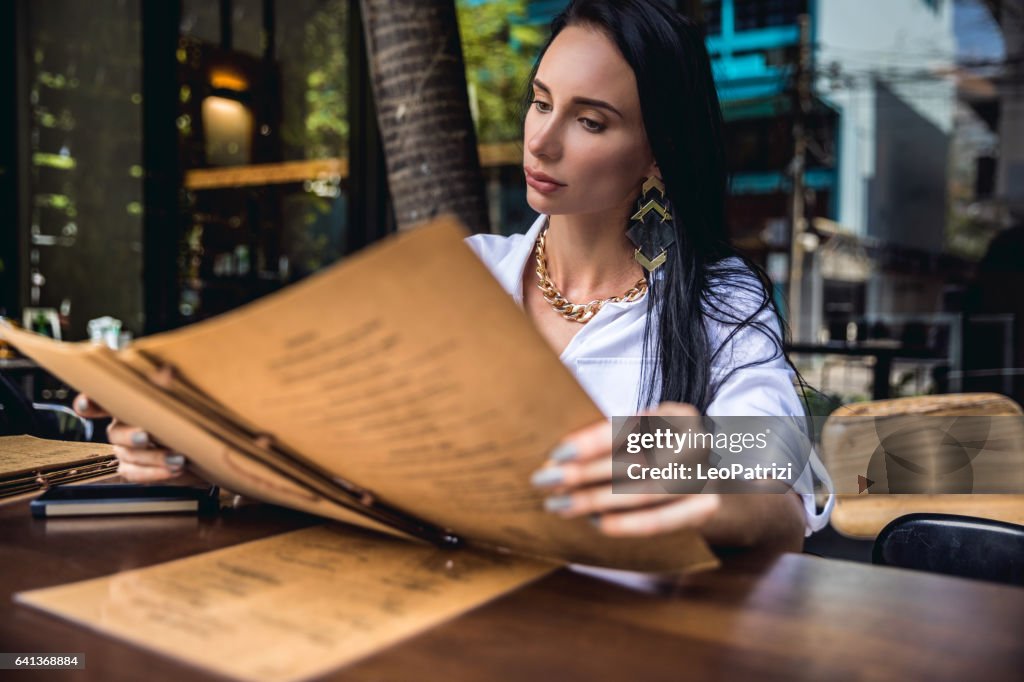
x,y
578,475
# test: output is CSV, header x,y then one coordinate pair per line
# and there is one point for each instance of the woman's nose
x,y
544,140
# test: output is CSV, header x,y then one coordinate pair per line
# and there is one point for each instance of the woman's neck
x,y
590,256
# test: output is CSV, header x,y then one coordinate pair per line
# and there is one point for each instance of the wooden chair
x,y
847,444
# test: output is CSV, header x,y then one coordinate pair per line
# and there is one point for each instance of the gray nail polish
x,y
81,403
566,452
175,462
557,503
595,520
140,439
548,477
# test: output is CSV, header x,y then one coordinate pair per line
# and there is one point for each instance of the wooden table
x,y
782,618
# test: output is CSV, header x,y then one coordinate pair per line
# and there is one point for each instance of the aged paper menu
x,y
402,389
28,463
291,606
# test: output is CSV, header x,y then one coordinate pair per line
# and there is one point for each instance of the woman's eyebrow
x,y
601,104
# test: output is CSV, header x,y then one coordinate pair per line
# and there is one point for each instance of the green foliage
x,y
968,236
969,227
318,123
307,233
499,51
498,48
819,403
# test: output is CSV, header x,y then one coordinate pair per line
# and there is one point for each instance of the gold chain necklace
x,y
576,312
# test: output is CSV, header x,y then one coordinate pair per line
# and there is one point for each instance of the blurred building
x,y
1009,14
756,52
878,122
993,103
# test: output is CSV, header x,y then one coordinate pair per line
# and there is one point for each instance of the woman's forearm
x,y
773,521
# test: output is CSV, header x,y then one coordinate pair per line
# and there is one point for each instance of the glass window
x,y
264,140
85,156
247,26
200,19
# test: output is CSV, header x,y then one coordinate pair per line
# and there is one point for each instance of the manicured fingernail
x,y
81,403
595,520
545,478
566,452
140,439
175,462
557,503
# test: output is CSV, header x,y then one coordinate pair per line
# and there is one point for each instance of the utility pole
x,y
801,108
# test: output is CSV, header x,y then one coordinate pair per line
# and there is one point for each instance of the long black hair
x,y
683,121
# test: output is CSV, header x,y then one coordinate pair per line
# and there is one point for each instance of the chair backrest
x,y
64,423
955,545
844,440
16,414
43,420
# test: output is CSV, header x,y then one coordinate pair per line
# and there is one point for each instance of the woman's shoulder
x,y
493,249
741,318
735,291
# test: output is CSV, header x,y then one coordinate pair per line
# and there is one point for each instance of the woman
x,y
621,108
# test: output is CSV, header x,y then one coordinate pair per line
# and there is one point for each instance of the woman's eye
x,y
591,125
542,107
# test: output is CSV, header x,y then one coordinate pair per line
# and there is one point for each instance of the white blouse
x,y
605,357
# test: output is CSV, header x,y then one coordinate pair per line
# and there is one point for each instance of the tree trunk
x,y
419,81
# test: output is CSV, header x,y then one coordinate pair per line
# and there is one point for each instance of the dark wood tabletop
x,y
790,617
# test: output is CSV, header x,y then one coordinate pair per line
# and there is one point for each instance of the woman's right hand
x,y
140,460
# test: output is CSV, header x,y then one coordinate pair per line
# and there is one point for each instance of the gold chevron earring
x,y
653,231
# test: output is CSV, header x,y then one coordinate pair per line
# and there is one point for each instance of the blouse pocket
x,y
612,383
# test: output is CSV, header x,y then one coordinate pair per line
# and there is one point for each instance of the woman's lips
x,y
541,182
